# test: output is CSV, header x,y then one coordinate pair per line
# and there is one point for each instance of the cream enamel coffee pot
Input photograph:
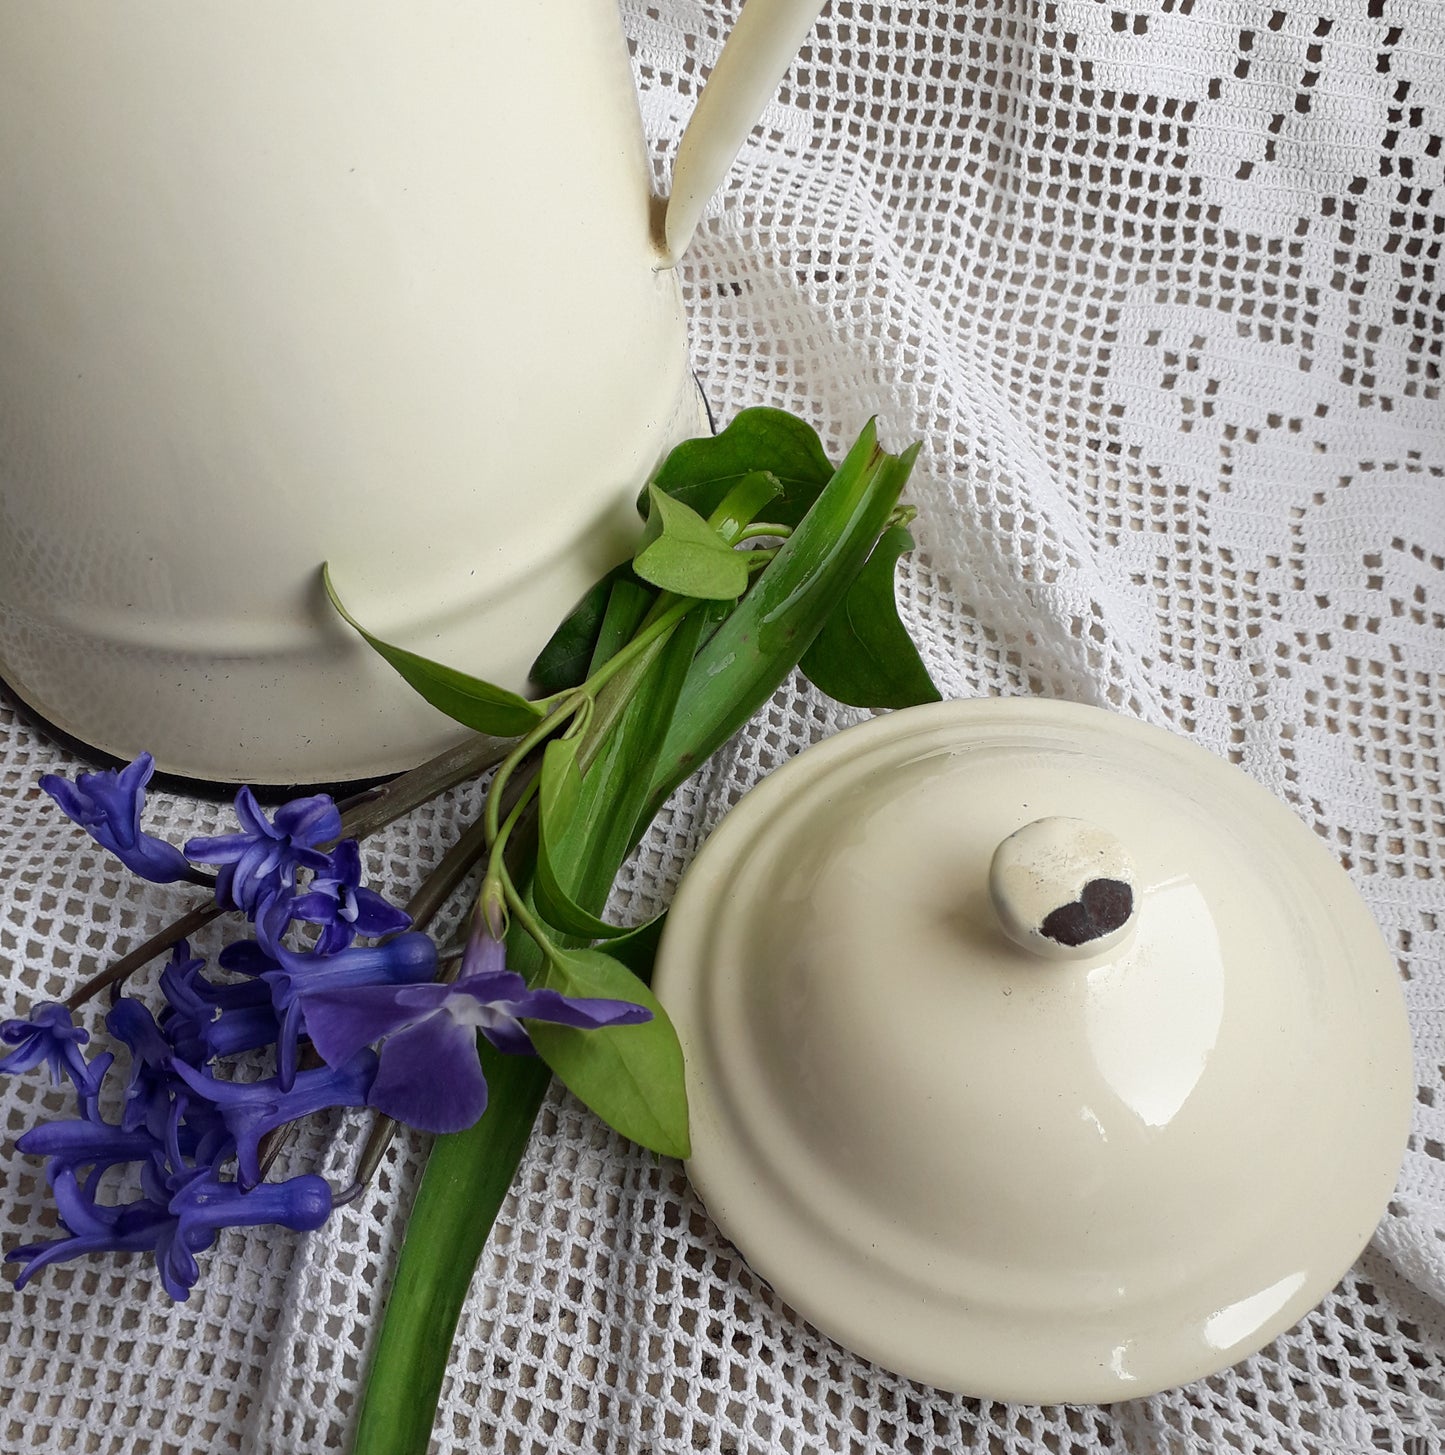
x,y
381,282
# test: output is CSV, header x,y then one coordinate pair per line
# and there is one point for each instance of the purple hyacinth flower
x,y
83,1142
179,1217
336,900
51,1035
93,1228
107,805
292,977
156,1098
201,1205
251,1109
150,1094
204,1021
187,988
430,1076
256,868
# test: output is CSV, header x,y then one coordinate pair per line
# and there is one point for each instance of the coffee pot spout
x,y
762,45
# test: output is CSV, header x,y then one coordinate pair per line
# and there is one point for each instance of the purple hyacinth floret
x,y
154,1098
257,868
253,1108
203,1021
179,1216
429,1075
337,901
107,805
51,1035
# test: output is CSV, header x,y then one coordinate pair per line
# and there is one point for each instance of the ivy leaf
x,y
701,472
631,1076
687,556
479,705
565,661
558,797
864,656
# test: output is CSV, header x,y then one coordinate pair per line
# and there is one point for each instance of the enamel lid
x,y
1033,1052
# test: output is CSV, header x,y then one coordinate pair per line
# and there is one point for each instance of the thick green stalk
x,y
466,1181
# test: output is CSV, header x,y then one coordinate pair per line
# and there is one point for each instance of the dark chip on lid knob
x,y
1103,907
1063,888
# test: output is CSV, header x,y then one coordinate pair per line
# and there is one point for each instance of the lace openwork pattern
x,y
1157,283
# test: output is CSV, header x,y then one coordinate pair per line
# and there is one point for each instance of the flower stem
x,y
117,974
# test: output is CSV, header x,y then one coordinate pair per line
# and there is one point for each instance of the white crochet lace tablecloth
x,y
1158,284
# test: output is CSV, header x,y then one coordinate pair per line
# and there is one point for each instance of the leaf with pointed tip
x,y
637,949
558,797
477,704
761,640
631,1076
701,472
565,661
864,656
688,557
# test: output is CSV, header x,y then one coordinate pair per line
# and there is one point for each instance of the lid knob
x,y
1064,889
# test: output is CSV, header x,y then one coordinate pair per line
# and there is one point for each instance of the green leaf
x,y
631,1076
863,655
558,796
566,659
742,663
688,557
701,472
479,705
619,760
637,949
627,608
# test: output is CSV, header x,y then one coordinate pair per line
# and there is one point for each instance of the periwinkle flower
x,y
107,805
429,1074
292,978
51,1035
336,900
251,1109
257,868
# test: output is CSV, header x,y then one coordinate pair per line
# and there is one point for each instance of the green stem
x,y
465,1183
571,704
666,612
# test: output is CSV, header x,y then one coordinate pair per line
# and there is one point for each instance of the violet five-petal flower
x,y
256,868
429,1075
292,977
107,804
251,1109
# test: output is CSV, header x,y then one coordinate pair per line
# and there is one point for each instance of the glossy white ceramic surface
x,y
379,284
1018,1177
